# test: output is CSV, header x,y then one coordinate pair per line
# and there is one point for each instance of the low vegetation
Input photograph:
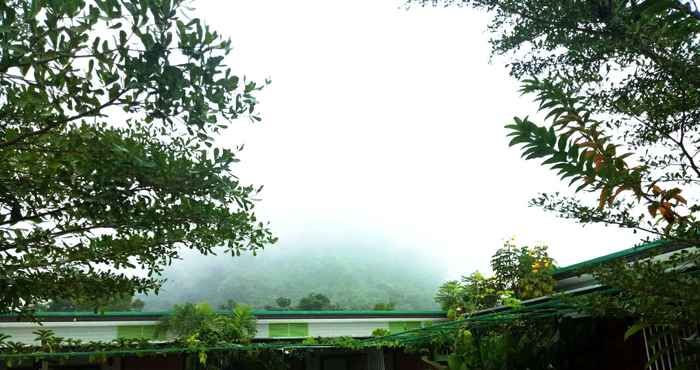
x,y
519,273
118,303
199,323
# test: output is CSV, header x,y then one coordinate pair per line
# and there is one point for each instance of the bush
x,y
201,322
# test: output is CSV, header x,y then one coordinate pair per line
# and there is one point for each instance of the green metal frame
x,y
639,251
157,314
402,326
351,312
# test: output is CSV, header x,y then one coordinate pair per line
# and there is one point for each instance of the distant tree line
x,y
354,275
310,302
117,303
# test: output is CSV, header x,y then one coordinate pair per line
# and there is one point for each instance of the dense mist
x,y
354,271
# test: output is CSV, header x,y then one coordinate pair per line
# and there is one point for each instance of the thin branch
x,y
686,154
35,215
53,125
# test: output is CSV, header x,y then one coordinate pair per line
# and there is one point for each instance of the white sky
x,y
389,122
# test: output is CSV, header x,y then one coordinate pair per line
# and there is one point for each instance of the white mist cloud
x,y
391,120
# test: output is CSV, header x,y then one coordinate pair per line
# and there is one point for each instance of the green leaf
x,y
454,362
36,6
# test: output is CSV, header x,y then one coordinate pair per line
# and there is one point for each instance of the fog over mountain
x,y
353,268
383,155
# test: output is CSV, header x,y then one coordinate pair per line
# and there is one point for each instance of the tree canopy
x,y
115,303
314,301
519,273
108,115
283,302
202,322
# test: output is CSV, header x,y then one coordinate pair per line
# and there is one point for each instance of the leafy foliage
x,y
205,357
516,346
230,304
480,292
214,345
450,295
239,326
107,123
662,291
519,273
283,302
577,147
658,293
314,301
384,306
186,319
523,270
198,324
380,332
117,303
464,356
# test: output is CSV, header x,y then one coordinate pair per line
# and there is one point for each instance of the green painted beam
x,y
656,247
157,314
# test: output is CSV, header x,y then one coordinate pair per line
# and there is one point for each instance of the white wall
x,y
345,329
107,330
85,331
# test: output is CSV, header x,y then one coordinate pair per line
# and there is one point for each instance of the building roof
x,y
634,253
259,314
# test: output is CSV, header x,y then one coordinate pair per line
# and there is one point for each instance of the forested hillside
x,y
352,275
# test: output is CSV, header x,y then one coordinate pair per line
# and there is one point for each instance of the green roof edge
x,y
625,253
157,314
348,312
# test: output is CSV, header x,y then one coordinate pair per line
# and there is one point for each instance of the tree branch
x,y
53,125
